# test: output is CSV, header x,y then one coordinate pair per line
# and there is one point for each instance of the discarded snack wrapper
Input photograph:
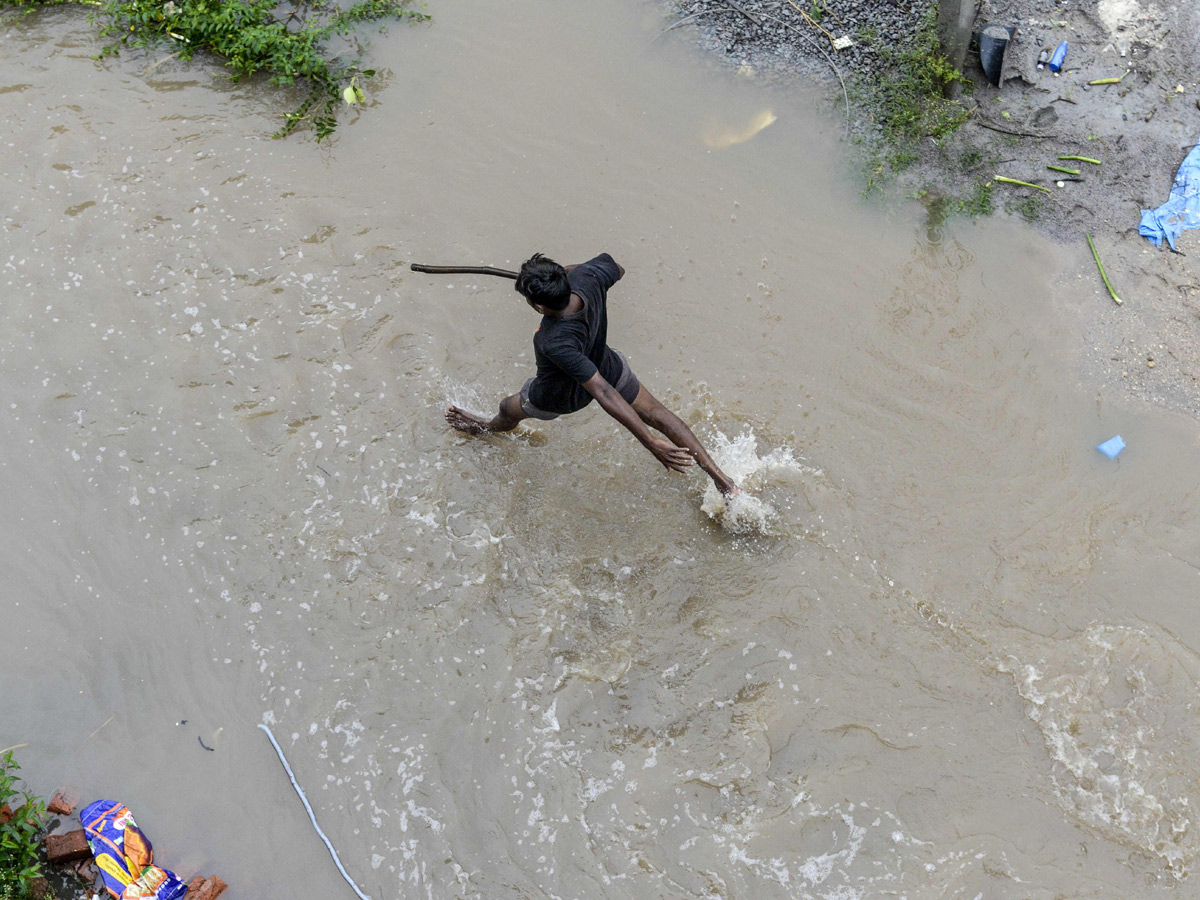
x,y
1112,447
125,856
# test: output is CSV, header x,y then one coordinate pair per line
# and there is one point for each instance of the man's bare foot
x,y
465,421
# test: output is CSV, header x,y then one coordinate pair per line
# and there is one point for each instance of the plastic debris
x,y
1059,57
845,42
125,856
1112,447
312,816
1182,209
993,41
1043,58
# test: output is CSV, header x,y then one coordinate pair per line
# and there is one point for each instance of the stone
x,y
69,847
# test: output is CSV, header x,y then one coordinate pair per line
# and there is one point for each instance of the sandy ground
x,y
1141,128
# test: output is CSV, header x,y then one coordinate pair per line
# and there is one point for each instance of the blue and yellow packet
x,y
125,856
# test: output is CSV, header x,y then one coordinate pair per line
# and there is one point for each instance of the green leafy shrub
x,y
290,44
19,842
911,102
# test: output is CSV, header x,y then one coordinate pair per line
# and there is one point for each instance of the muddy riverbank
x,y
1141,128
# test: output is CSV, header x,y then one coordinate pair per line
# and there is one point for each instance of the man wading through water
x,y
575,365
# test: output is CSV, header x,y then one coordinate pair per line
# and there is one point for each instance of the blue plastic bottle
x,y
1059,57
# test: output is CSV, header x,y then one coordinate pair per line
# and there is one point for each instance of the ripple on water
x,y
1113,705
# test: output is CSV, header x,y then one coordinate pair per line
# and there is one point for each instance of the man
x,y
575,365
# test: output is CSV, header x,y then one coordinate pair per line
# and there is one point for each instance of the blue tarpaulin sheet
x,y
1182,210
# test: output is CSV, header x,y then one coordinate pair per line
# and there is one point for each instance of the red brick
x,y
210,888
39,889
65,800
69,847
194,886
5,814
86,871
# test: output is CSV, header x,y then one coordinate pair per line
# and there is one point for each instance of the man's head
x,y
543,282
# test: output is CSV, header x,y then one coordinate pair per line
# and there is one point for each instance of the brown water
x,y
961,661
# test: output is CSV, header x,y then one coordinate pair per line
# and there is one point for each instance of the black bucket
x,y
993,41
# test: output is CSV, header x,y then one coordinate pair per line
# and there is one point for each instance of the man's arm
x,y
614,404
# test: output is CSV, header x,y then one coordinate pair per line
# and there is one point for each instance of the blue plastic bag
x,y
1112,447
1182,210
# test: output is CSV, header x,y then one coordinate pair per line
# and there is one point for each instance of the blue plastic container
x,y
1112,447
1059,57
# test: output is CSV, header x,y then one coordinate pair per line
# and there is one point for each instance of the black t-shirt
x,y
571,349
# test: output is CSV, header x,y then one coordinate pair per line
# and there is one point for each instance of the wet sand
x,y
960,662
1140,129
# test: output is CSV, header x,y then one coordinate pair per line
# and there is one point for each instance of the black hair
x,y
542,281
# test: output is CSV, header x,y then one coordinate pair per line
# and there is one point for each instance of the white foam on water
x,y
738,457
1113,706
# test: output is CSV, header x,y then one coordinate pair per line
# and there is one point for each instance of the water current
x,y
951,651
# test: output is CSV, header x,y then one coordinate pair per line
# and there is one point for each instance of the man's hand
x,y
677,458
671,456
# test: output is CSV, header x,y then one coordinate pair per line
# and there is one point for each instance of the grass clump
x,y
22,818
1030,208
288,43
911,102
979,201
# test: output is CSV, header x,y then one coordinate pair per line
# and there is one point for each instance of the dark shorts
x,y
627,386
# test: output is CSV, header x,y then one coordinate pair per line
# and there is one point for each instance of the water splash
x,y
469,397
738,457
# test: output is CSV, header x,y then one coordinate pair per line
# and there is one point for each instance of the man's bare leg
x,y
505,420
658,417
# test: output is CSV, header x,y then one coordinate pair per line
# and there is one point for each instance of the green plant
x,y
252,36
21,821
1030,208
913,99
979,201
969,159
910,102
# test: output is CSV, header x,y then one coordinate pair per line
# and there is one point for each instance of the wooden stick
x,y
463,270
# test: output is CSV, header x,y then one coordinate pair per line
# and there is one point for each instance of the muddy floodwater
x,y
955,658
